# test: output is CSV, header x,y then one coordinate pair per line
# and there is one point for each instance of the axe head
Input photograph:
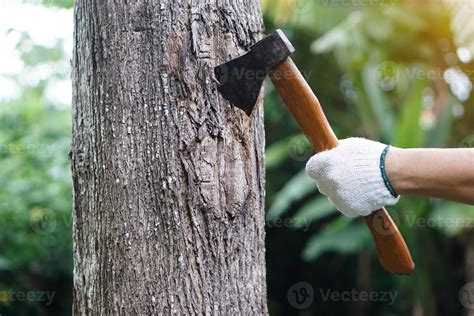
x,y
241,79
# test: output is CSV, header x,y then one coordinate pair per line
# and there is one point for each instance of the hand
x,y
350,175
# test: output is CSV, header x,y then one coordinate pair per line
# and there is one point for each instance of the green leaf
x,y
409,133
341,235
451,218
378,102
362,106
314,210
437,136
335,38
295,189
67,4
4,263
277,153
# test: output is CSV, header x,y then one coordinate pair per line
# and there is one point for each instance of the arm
x,y
359,176
438,173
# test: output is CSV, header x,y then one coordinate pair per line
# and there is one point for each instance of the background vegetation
x,y
395,71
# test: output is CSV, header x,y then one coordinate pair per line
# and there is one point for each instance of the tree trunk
x,y
168,177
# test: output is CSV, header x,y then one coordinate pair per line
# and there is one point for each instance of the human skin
x,y
438,173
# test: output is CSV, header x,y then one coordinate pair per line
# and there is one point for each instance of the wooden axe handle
x,y
392,250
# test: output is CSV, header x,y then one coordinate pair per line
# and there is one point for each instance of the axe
x,y
240,81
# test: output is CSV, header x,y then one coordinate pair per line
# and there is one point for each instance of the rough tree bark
x,y
168,177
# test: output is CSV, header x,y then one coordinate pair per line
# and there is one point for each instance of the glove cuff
x,y
386,181
373,190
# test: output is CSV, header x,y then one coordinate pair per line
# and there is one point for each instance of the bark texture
x,y
168,177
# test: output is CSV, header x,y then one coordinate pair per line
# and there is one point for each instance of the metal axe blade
x,y
241,79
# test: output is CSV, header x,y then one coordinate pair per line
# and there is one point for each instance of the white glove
x,y
350,175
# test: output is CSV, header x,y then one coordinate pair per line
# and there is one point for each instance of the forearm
x,y
439,173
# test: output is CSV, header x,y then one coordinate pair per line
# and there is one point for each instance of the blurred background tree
x,y
395,71
35,184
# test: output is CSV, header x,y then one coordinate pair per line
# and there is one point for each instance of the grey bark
x,y
168,178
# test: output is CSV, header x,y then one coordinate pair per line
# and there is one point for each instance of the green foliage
x,y
278,152
66,4
35,188
451,218
390,61
35,204
314,210
338,236
295,189
33,54
409,133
